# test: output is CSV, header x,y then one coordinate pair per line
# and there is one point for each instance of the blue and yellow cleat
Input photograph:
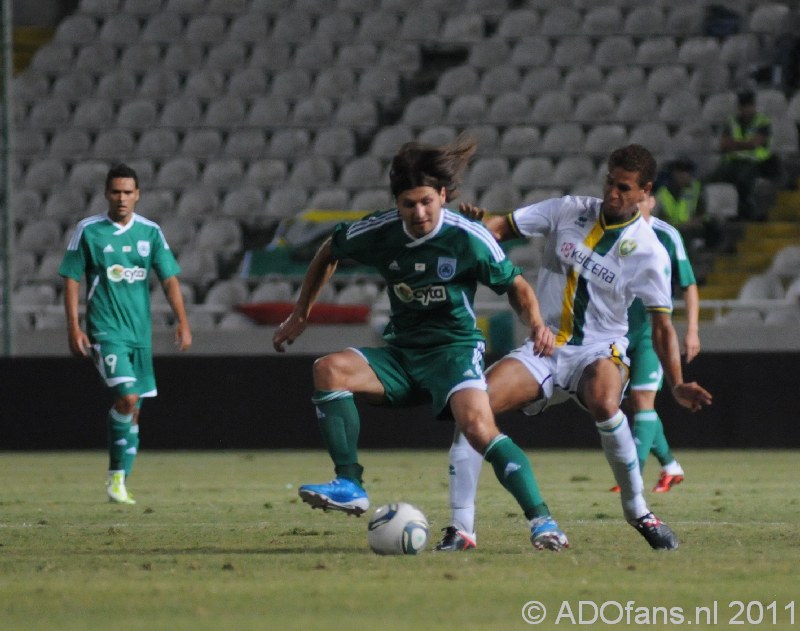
x,y
546,535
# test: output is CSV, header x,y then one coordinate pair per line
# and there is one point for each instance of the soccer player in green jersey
x,y
115,252
647,376
431,259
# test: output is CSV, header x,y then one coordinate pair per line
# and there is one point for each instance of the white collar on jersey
x,y
415,241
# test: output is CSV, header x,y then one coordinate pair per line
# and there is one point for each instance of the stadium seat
x,y
285,201
680,106
178,231
572,50
583,79
265,172
243,202
227,293
372,199
201,143
467,109
268,111
533,171
388,140
311,171
624,80
499,80
49,114
564,137
53,58
114,145
573,169
73,86
486,135
205,29
39,236
361,171
596,107
313,55
330,199
740,49
761,287
542,79
721,199
457,80
336,28
162,28
602,19
183,112
614,50
462,28
334,82
489,53
137,115
224,112
636,107
561,20
26,202
785,136
518,23
99,7
652,134
141,7
141,55
204,83
358,56
424,110
509,108
379,84
160,84
645,21
45,272
44,175
377,26
667,78
359,114
685,21
502,195
531,51
198,267
69,143
552,106
249,28
486,171
246,143
118,85
154,203
710,78
272,290
769,18
771,102
700,49
222,173
35,295
519,140
289,143
177,173
421,25
601,138
335,143
657,50
291,83
183,56
292,27
196,202
227,56
119,29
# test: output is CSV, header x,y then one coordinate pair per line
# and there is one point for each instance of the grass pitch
x,y
221,541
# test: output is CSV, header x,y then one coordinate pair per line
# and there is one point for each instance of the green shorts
x,y
646,371
414,376
126,369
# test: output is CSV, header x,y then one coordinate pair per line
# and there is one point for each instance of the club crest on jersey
x,y
143,248
626,246
446,268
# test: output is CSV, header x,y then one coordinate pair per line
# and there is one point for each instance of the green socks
x,y
131,450
660,448
514,471
646,424
340,426
119,426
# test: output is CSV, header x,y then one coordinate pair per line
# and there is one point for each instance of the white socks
x,y
465,468
620,451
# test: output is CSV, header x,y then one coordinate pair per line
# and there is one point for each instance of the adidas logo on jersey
x,y
108,248
511,467
394,266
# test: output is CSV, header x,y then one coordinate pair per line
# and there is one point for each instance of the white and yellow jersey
x,y
591,272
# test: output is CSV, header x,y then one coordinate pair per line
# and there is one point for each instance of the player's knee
x,y
328,372
126,404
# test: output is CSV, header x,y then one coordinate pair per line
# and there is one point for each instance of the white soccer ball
x,y
398,528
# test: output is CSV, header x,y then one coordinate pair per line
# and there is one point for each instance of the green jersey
x,y
431,281
116,261
682,273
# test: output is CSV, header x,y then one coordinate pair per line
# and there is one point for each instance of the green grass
x,y
221,541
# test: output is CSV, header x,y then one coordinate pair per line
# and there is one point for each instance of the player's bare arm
x,y
321,268
522,299
691,341
665,342
496,224
78,340
183,332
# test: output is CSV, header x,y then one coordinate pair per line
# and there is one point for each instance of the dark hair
x,y
636,159
745,97
121,170
418,164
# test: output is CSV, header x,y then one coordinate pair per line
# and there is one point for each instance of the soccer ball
x,y
398,528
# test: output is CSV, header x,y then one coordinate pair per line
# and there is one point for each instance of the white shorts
x,y
559,374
